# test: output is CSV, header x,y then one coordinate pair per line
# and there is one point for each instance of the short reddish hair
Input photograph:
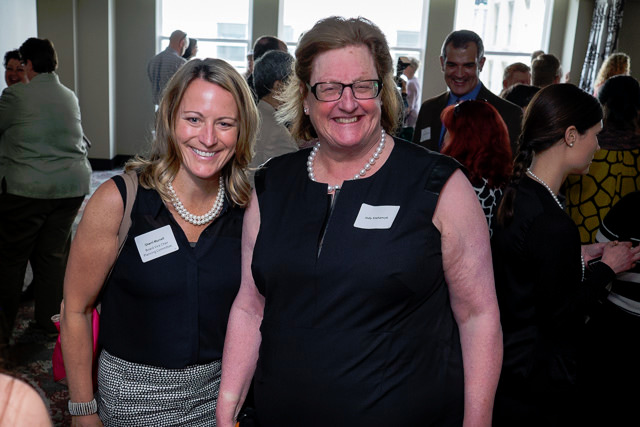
x,y
479,139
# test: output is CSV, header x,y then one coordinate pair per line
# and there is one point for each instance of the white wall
x,y
265,19
440,23
135,44
18,24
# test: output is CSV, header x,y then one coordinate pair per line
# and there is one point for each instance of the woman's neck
x,y
190,188
545,168
342,163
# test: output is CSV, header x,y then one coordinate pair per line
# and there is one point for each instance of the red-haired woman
x,y
478,138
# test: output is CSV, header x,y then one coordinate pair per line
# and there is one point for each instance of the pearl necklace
x,y
532,175
363,171
198,219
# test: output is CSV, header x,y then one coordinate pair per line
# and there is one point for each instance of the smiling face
x,y
461,68
14,73
347,123
206,129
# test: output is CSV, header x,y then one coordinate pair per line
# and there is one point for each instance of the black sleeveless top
x,y
172,311
360,332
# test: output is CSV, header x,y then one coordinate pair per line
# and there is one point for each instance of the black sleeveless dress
x,y
358,329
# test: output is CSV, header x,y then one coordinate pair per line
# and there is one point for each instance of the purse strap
x,y
131,188
131,185
130,179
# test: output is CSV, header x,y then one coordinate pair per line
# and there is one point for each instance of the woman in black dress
x,y
361,294
545,282
165,306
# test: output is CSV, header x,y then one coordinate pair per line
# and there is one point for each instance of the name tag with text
x,y
425,134
376,217
156,243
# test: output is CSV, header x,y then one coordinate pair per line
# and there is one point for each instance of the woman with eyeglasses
x,y
547,284
478,138
367,292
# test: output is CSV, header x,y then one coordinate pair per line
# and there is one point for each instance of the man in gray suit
x,y
462,60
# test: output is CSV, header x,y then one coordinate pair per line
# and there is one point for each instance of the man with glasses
x,y
164,65
462,60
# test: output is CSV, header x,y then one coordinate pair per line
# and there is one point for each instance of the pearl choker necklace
x,y
532,175
198,219
363,171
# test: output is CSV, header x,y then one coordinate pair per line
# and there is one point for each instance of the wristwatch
x,y
83,408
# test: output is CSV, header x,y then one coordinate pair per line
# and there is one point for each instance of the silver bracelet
x,y
83,408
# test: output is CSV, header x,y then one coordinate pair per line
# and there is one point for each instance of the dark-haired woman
x,y
544,280
615,170
478,138
192,50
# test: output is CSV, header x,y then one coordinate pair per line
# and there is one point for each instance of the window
x,y
222,31
510,29
402,23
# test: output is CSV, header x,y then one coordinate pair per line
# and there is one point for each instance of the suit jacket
x,y
429,126
273,138
42,153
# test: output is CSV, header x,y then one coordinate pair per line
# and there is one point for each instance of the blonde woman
x,y
166,303
615,64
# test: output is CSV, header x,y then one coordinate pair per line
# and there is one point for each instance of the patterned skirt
x,y
131,394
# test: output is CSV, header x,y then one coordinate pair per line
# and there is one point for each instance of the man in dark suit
x,y
462,60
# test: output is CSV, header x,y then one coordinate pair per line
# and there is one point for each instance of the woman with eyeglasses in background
x,y
478,138
367,292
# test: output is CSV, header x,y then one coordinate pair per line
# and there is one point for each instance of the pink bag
x,y
59,373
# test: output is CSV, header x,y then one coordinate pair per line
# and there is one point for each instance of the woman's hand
x,y
620,256
86,421
592,251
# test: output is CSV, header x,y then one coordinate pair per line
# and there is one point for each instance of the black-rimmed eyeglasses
x,y
332,91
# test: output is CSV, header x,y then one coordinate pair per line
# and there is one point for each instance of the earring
x,y
306,110
571,144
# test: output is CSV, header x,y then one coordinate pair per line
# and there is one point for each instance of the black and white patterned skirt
x,y
131,394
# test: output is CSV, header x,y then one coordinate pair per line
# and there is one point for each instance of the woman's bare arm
x,y
466,257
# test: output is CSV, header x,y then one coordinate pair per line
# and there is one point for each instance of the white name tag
x,y
425,134
156,243
376,217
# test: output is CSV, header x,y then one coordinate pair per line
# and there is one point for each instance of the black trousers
x,y
38,230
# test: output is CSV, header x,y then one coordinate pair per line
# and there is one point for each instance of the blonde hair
x,y
334,33
165,158
615,64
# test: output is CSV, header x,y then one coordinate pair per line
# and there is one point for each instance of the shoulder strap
x,y
131,184
131,188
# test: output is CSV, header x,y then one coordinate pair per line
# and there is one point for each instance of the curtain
x,y
603,39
